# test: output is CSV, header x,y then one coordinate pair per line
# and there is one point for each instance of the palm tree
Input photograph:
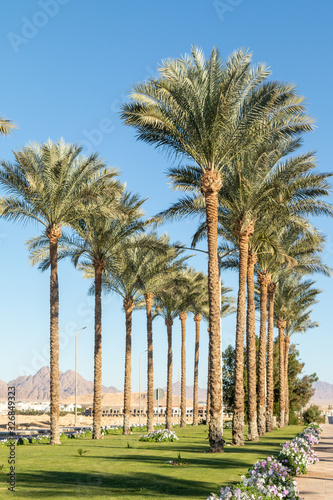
x,y
209,112
155,271
251,351
95,242
122,276
227,307
55,186
6,126
167,307
297,250
270,358
199,307
292,302
187,294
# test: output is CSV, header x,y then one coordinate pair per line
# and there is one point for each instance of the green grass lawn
x,y
112,470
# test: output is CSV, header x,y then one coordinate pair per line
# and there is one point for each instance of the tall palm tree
x,y
95,242
253,188
6,126
270,357
251,351
227,307
122,277
155,272
187,294
297,250
167,307
54,185
199,307
208,112
292,302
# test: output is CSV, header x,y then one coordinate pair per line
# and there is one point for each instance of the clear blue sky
x,y
66,65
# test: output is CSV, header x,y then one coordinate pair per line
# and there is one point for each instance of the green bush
x,y
312,414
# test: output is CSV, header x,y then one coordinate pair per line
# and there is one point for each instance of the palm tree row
x,y
106,244
230,123
238,134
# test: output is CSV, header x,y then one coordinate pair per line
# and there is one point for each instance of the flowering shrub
x,y
313,429
271,478
39,439
107,429
80,433
160,436
309,438
240,492
297,455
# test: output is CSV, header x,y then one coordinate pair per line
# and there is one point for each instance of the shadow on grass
x,y
47,484
220,462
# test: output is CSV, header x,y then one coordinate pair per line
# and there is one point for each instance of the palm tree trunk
x,y
182,317
238,405
211,183
208,390
197,319
150,368
286,363
282,399
97,404
128,306
264,280
54,234
270,347
168,424
251,352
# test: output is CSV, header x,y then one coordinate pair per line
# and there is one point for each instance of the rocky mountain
x,y
323,394
176,389
37,387
3,390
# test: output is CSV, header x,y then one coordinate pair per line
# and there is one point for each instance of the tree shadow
x,y
47,484
220,462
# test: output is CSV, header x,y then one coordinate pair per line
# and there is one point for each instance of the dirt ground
x,y
43,421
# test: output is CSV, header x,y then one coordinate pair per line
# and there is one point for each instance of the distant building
x,y
117,411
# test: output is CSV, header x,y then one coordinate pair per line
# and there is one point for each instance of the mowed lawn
x,y
122,467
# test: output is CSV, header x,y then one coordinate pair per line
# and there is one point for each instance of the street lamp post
x,y
75,418
140,385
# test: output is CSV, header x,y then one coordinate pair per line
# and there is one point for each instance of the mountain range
x,y
37,388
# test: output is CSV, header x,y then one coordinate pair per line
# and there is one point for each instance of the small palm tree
x,y
55,186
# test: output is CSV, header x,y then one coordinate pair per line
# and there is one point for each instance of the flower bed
x,y
297,455
273,477
160,436
45,438
240,492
